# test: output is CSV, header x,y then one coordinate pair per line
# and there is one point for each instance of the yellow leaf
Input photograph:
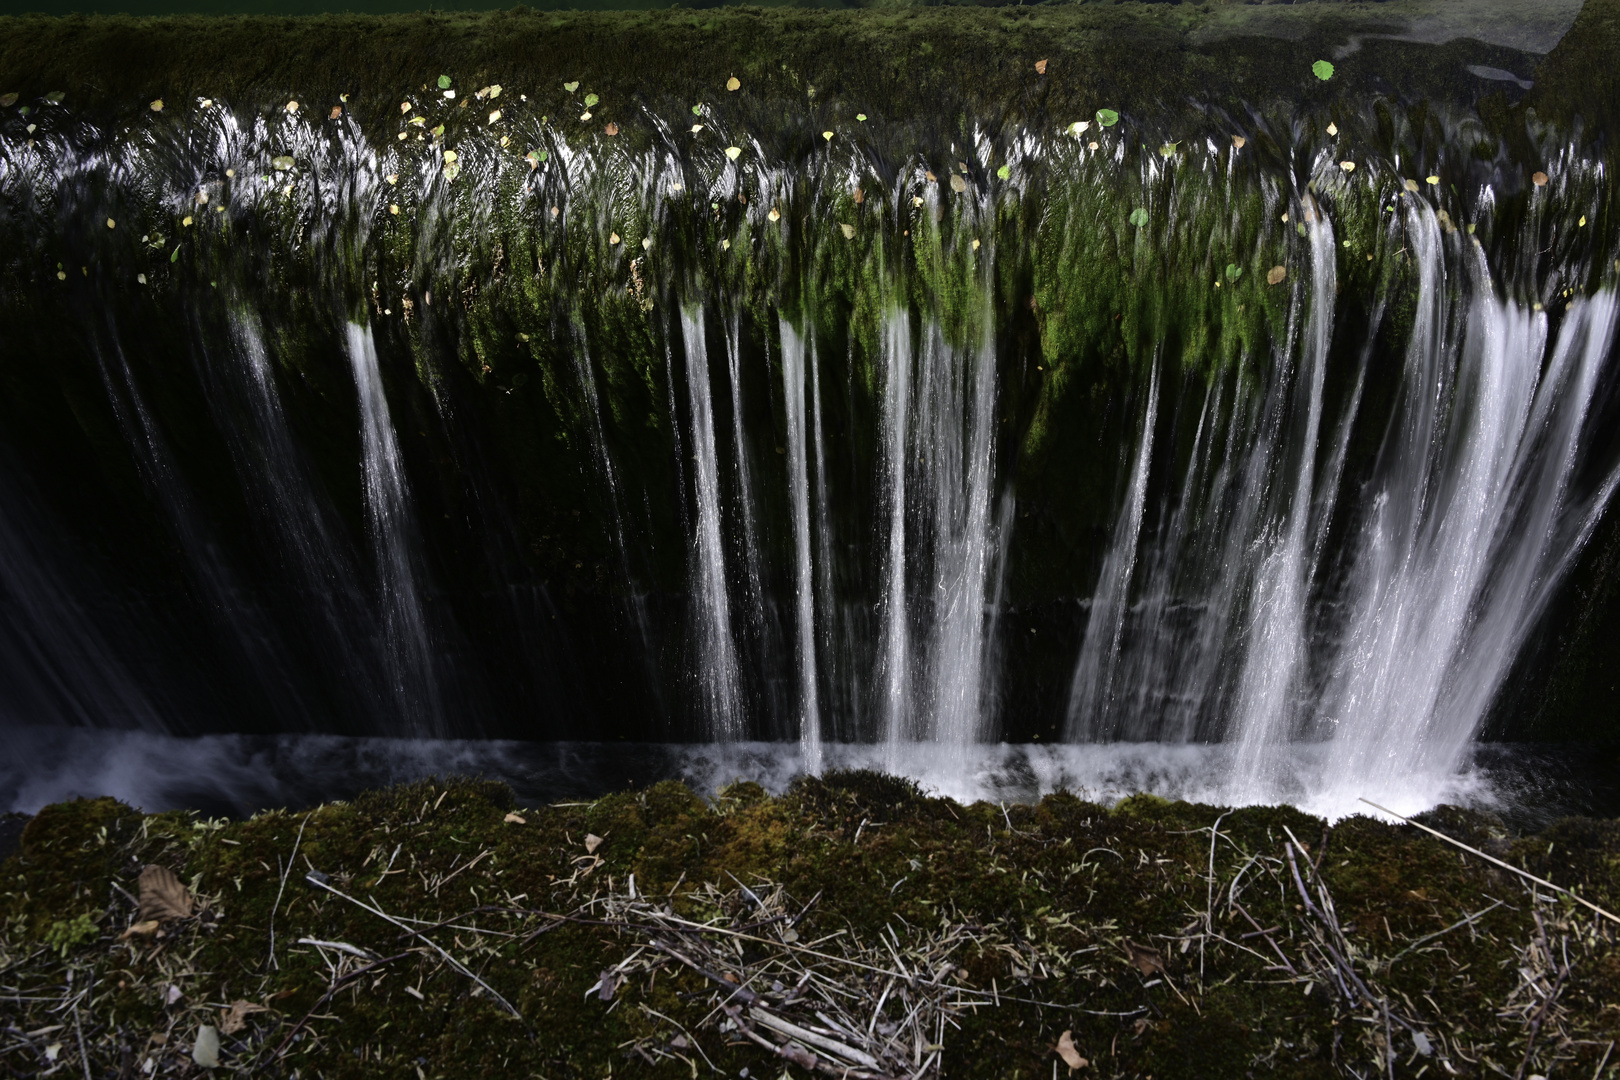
x,y
157,106
733,83
1276,274
849,231
733,152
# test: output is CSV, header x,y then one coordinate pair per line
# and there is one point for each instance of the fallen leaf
x,y
613,239
1147,960
205,1051
1539,179
292,106
157,106
1409,185
1065,1050
1276,274
849,231
861,117
140,929
1233,271
52,1051
1238,141
7,100
592,841
281,164
337,111
111,224
859,196
696,128
591,100
612,128
774,215
234,1019
55,96
449,156
1004,172
1107,117
515,819
162,895
733,83
571,86
404,107
1139,217
444,82
1040,67
1078,127
957,183
827,135
1333,129
646,243
1322,70
733,152
586,115
1348,166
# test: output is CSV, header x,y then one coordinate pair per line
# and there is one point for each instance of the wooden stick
x,y
1498,862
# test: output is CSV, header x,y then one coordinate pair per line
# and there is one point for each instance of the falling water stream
x,y
1230,453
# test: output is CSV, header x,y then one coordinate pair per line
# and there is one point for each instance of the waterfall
x,y
715,653
804,591
389,521
895,649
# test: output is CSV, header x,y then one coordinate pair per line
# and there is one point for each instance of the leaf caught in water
x,y
1432,181
613,239
861,117
827,135
1348,166
7,100
337,111
733,83
571,86
1322,70
1539,179
533,159
958,184
1107,117
591,100
733,152
1078,127
157,106
1276,274
848,231
612,128
494,115
696,128
1409,185
1139,217
55,97
1238,142
1332,128
774,215
1040,67
1233,271
282,163
444,82
292,107
1005,172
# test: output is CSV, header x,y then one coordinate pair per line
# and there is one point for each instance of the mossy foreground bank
x,y
851,927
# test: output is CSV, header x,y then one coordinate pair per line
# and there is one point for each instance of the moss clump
x,y
1165,948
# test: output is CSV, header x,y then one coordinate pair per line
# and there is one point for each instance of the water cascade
x,y
798,424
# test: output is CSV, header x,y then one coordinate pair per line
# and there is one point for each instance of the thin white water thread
x,y
895,668
754,590
388,517
1091,692
793,379
828,625
716,653
1269,684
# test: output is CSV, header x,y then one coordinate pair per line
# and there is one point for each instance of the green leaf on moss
x,y
591,100
7,100
1107,117
1139,217
1322,70
697,110
444,82
1233,271
55,97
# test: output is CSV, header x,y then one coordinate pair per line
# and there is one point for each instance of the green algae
x,y
1063,878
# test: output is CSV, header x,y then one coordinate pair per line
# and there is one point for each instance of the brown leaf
x,y
234,1019
592,842
1040,67
1238,141
1147,960
1540,179
140,929
337,111
163,896
860,196
1065,1050
1276,274
612,128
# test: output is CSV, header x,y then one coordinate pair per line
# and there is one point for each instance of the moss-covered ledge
x,y
570,940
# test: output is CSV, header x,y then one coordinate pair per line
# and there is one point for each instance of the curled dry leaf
x,y
337,111
162,895
140,929
1146,959
234,1019
592,841
1065,1050
1276,274
515,819
1040,67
